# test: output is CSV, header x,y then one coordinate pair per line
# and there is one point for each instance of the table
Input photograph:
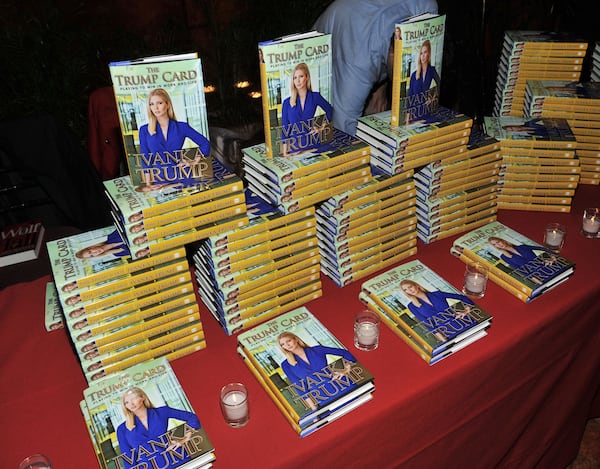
x,y
519,397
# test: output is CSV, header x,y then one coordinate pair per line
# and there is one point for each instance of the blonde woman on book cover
x,y
145,423
424,304
300,107
518,255
165,134
302,361
424,76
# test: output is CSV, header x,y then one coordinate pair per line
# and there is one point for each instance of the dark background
x,y
54,53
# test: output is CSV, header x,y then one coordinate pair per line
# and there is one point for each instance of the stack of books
x,y
248,275
427,312
534,55
458,193
155,218
367,228
120,311
298,182
395,149
595,72
539,168
579,103
312,378
515,262
171,435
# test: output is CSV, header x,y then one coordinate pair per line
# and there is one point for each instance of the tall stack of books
x,y
535,55
310,394
458,193
120,311
395,149
158,217
173,435
367,228
298,182
579,103
515,262
595,72
248,275
427,312
539,168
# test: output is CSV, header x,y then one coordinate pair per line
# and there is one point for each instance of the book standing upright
x,y
296,81
162,112
417,69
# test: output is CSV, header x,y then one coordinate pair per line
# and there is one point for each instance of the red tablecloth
x,y
519,397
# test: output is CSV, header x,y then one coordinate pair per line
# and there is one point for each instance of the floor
x,y
589,452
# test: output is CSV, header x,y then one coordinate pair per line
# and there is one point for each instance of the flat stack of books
x,y
432,317
155,218
579,103
248,275
310,375
437,136
595,72
459,193
120,311
540,171
535,55
515,262
300,181
172,435
367,228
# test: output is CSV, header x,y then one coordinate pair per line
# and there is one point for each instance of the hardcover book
x,y
21,242
141,417
530,132
417,69
305,369
296,81
514,258
162,112
423,306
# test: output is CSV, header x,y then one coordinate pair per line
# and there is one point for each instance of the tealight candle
x,y
366,330
554,236
591,223
475,280
234,404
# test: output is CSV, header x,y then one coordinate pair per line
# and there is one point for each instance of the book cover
x,y
417,68
530,132
141,417
21,242
296,83
162,113
304,365
96,256
425,306
416,134
514,257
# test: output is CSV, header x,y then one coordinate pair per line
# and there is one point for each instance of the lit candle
x,y
236,405
591,225
475,283
554,238
367,333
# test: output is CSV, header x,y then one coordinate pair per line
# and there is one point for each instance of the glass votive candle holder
x,y
554,236
475,280
35,461
590,226
234,404
366,330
